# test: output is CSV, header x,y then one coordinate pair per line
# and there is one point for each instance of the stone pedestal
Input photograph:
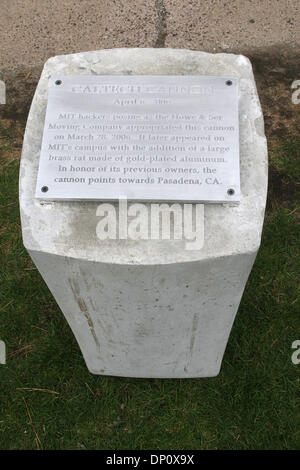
x,y
148,308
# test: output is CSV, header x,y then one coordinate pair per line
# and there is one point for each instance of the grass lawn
x,y
49,400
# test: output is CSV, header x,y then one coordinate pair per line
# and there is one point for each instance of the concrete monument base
x,y
148,308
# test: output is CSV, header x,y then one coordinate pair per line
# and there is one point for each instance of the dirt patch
x,y
20,88
275,72
282,191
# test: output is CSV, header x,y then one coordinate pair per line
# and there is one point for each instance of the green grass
x,y
252,404
286,159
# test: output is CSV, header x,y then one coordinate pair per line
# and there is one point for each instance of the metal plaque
x,y
143,137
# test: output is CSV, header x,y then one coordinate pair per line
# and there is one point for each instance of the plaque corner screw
x,y
58,82
228,82
44,189
230,192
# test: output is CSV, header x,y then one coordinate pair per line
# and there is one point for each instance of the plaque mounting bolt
x,y
228,82
44,189
58,82
230,192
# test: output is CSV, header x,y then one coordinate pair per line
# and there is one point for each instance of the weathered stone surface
x,y
148,308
